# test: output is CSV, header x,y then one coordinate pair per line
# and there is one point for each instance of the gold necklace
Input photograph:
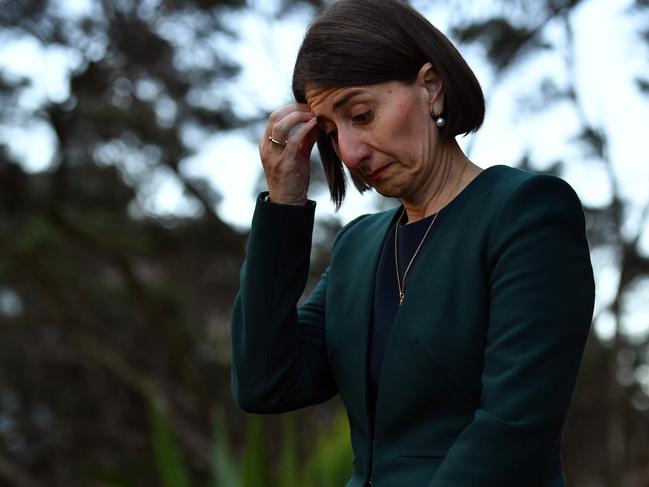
x,y
400,284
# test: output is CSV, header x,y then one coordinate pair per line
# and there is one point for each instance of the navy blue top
x,y
386,291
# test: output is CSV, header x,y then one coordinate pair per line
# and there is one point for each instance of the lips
x,y
378,173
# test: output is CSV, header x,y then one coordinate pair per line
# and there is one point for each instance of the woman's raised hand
x,y
286,158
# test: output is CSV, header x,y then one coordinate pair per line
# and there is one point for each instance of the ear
x,y
429,79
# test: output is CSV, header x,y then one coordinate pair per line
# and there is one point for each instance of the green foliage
x,y
331,461
224,469
289,473
171,468
254,466
327,464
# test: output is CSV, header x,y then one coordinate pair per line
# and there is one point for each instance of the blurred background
x,y
128,175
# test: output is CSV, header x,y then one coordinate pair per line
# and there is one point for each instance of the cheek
x,y
402,115
408,121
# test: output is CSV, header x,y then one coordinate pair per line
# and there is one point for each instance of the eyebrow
x,y
346,98
339,104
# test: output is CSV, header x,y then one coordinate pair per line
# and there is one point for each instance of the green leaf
x,y
289,472
255,471
224,470
330,464
171,468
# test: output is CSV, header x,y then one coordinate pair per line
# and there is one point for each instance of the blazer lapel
x,y
354,281
427,314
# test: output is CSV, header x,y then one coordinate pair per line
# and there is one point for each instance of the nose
x,y
352,149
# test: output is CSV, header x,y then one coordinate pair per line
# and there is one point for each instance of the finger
x,y
282,130
306,145
303,132
278,115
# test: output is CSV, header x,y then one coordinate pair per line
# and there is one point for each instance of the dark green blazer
x,y
483,355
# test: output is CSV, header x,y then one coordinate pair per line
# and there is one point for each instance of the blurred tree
x,y
105,308
114,321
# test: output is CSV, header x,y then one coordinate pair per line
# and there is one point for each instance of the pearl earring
x,y
438,119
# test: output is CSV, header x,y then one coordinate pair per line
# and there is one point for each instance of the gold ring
x,y
283,144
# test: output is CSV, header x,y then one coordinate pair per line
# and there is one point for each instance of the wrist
x,y
280,201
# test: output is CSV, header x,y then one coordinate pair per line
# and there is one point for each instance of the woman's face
x,y
384,133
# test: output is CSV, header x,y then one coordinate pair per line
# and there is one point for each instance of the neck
x,y
452,171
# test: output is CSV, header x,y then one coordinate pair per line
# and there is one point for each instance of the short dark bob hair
x,y
364,42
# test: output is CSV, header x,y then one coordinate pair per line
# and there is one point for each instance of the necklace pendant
x,y
401,296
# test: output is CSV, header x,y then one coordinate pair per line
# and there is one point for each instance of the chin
x,y
388,189
387,192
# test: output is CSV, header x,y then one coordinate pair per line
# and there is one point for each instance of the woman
x,y
453,326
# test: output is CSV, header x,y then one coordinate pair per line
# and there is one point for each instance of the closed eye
x,y
363,117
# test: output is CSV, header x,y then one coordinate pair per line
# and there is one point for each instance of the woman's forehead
x,y
318,96
333,98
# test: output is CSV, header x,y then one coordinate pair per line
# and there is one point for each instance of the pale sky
x,y
608,58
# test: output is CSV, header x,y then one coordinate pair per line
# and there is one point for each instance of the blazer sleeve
x,y
541,306
279,360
